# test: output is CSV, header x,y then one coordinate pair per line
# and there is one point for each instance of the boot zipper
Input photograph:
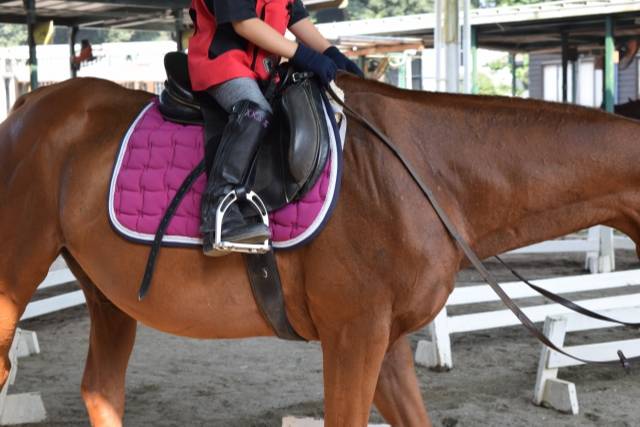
x,y
263,13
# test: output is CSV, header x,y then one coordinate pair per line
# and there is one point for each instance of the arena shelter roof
x,y
527,28
159,15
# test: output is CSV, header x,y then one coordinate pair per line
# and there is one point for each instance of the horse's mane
x,y
484,103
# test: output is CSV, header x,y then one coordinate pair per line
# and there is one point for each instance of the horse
x,y
629,109
509,173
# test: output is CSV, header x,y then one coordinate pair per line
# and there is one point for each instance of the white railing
x,y
436,352
559,394
48,305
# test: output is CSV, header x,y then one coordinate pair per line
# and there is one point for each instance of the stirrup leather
x,y
250,248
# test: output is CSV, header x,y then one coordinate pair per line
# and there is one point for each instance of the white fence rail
x,y
28,407
436,353
598,247
55,303
559,394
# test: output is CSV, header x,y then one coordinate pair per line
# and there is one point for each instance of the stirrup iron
x,y
250,248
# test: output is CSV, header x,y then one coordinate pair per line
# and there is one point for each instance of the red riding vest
x,y
217,55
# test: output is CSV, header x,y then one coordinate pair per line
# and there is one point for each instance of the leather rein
x,y
476,262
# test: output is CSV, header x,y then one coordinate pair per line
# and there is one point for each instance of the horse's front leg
x,y
398,396
353,353
111,341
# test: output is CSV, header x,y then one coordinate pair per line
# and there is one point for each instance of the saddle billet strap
x,y
471,255
267,291
565,302
164,224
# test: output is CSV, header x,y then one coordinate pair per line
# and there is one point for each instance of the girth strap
x,y
262,269
267,291
471,255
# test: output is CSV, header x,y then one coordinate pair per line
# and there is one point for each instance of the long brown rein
x,y
476,262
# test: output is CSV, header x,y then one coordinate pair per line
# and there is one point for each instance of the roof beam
x,y
150,4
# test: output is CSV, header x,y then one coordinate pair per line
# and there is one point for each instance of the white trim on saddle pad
x,y
193,241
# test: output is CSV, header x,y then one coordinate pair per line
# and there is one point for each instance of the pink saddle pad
x,y
156,156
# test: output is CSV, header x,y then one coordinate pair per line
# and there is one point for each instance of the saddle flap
x,y
303,107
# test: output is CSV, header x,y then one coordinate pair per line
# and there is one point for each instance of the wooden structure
x,y
561,26
560,394
21,408
436,352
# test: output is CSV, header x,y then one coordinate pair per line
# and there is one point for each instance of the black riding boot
x,y
247,127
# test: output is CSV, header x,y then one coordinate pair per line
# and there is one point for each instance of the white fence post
x,y
549,389
436,354
561,395
603,260
21,408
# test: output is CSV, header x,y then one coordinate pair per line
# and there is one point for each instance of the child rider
x,y
234,41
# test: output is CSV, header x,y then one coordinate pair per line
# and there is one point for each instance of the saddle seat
x,y
295,152
178,102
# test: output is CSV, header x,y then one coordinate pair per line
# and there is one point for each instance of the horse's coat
x,y
509,172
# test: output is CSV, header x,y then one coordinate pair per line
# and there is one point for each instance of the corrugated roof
x,y
536,27
130,14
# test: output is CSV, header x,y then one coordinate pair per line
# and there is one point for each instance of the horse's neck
x,y
519,172
511,172
538,174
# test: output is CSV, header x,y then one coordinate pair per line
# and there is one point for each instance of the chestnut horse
x,y
509,172
629,109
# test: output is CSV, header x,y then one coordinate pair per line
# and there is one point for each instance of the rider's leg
x,y
249,122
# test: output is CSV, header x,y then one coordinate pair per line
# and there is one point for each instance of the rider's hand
x,y
322,66
342,61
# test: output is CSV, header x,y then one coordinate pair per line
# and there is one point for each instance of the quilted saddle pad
x,y
156,156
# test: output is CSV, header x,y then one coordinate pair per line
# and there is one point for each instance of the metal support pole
x,y
408,70
565,67
72,49
474,60
451,39
466,47
179,13
437,42
574,80
30,9
514,77
609,78
424,69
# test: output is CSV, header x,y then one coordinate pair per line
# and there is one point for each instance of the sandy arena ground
x,y
180,382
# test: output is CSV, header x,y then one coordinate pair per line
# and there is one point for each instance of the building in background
x,y
136,65
545,80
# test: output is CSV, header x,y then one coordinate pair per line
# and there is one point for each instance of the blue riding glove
x,y
307,59
342,61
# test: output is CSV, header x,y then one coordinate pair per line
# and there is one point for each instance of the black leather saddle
x,y
294,154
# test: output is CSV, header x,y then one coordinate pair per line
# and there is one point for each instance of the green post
x,y
609,78
574,82
73,35
514,77
30,9
474,61
565,67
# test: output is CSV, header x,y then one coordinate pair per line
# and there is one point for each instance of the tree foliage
x,y
364,9
13,35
